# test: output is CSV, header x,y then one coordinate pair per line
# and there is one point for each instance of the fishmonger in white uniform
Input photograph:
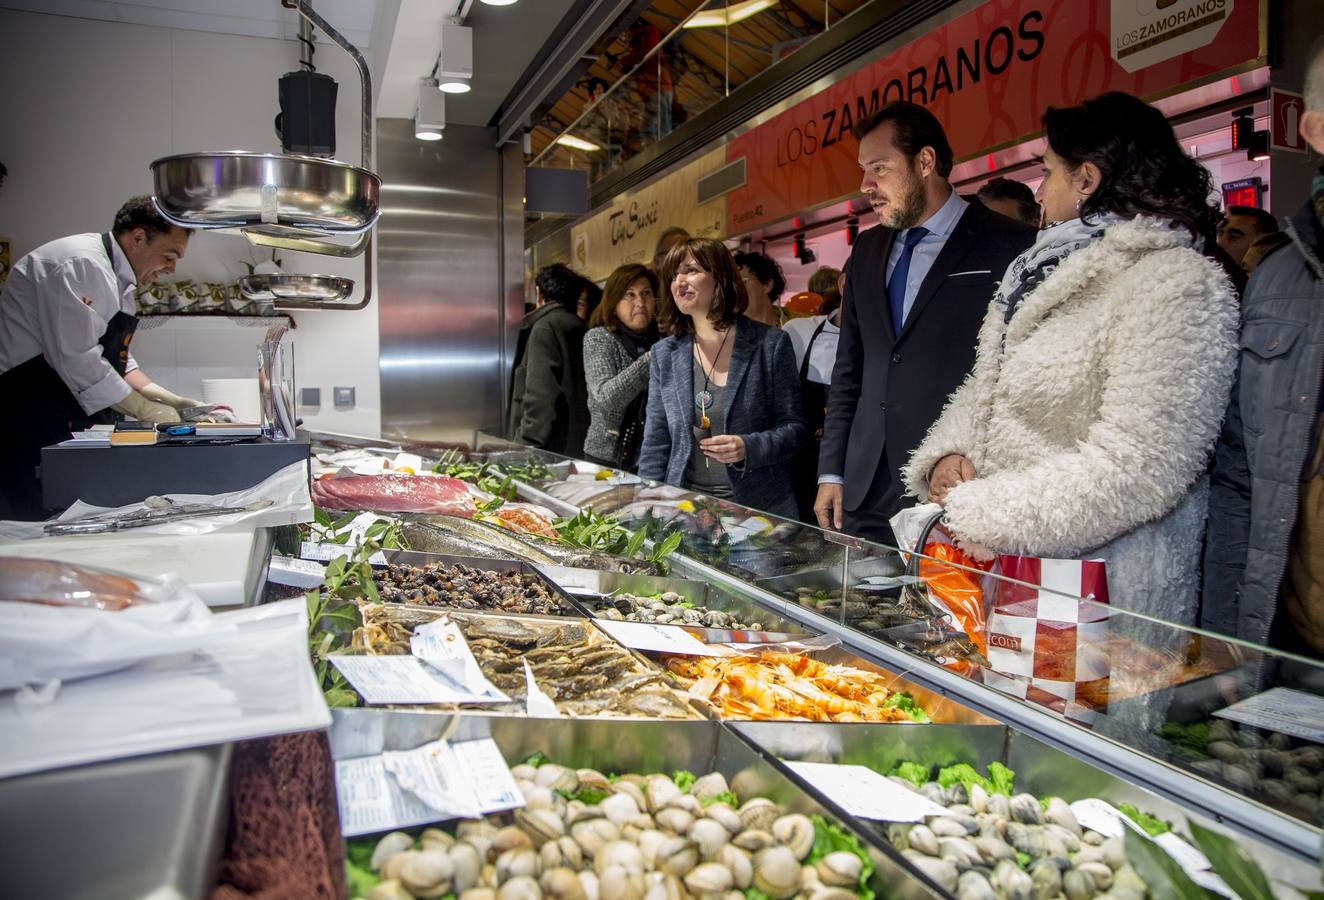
x,y
66,320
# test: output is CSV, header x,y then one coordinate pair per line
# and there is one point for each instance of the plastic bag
x,y
52,583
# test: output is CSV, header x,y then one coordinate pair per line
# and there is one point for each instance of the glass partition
x,y
1244,718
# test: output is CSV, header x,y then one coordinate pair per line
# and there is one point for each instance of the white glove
x,y
138,407
158,394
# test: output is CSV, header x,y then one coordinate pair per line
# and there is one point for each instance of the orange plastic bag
x,y
958,590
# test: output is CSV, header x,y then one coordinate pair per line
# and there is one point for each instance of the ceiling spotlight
x,y
500,2
455,62
574,143
430,113
1257,150
730,14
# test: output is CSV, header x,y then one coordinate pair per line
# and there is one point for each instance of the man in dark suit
x,y
916,294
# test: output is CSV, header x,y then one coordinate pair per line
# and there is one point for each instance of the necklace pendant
x,y
703,399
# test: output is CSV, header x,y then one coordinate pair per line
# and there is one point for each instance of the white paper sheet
x,y
322,552
442,646
536,702
432,783
863,792
402,679
1281,709
299,573
657,638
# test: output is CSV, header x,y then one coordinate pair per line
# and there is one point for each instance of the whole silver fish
x,y
465,537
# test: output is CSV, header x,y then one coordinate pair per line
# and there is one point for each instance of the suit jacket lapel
x,y
742,351
880,308
959,243
682,374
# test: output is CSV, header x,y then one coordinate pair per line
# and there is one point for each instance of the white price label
x,y
863,792
1281,709
657,638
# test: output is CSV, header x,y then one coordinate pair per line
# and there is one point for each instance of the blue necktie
x,y
896,285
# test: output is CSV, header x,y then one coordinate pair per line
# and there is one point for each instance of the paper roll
x,y
240,394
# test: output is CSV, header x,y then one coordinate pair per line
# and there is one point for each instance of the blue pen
x,y
180,429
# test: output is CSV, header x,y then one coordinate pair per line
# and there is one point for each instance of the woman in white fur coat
x,y
1103,369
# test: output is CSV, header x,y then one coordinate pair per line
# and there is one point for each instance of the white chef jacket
x,y
57,303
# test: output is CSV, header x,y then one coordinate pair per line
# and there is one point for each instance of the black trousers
x,y
870,520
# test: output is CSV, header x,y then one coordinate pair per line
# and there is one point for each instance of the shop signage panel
x,y
988,76
628,229
1285,109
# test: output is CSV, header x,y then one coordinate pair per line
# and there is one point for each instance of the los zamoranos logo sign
x,y
1145,32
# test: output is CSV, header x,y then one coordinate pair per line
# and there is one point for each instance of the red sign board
x,y
1285,109
987,76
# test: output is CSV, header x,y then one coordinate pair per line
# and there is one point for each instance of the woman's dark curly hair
x,y
766,270
1144,169
729,297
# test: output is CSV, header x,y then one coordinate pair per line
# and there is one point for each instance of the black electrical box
x,y
307,120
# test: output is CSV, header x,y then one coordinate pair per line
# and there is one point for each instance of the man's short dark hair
x,y
560,284
766,270
914,128
1265,223
141,212
1017,192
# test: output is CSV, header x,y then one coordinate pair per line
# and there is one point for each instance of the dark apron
x,y
46,412
804,465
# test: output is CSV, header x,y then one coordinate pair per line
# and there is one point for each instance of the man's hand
x,y
725,448
136,406
827,506
950,471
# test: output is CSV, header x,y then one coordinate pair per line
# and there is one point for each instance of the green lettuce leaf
x,y
1002,779
831,838
913,772
1151,826
684,780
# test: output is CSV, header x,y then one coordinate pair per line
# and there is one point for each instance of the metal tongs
x,y
155,511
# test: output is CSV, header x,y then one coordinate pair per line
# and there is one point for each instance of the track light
x,y
1258,148
430,113
1243,127
852,231
574,143
729,15
455,62
802,252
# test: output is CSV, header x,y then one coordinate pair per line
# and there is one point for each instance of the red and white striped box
x,y
1042,635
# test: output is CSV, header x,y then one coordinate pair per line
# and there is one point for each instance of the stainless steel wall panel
x,y
512,261
440,308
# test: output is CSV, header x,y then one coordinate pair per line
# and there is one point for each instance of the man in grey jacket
x,y
1264,553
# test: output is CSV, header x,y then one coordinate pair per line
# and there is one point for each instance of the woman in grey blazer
x,y
724,415
616,358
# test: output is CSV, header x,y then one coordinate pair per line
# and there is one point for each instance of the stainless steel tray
x,y
236,188
570,606
151,826
616,747
327,288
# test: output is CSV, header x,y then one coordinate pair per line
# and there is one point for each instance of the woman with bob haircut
x,y
616,359
1102,371
724,414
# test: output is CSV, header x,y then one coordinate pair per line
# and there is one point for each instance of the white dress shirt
x,y
822,353
940,225
57,303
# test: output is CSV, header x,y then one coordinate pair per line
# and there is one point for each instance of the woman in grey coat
x,y
724,414
616,358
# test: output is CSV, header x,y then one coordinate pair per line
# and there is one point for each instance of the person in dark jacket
x,y
548,398
724,414
616,361
1264,550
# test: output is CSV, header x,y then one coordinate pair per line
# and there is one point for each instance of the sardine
x,y
465,537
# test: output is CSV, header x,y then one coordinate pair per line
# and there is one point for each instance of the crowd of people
x,y
1072,373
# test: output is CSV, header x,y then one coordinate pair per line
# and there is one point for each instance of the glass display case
x,y
1226,731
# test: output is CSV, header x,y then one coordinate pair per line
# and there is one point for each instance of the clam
x,y
978,798
541,825
427,874
538,797
388,846
658,886
1059,813
467,864
809,880
727,817
922,838
676,856
648,843
753,840
935,792
435,839
478,894
1025,808
758,814
944,826
832,893
1046,877
524,772
510,838
557,778
1113,851
615,883
676,821
710,786
940,871
972,885
960,851
659,792
1010,881
1099,873
796,832
521,888
740,864
389,890
710,836
516,863
1070,840
999,805
593,780
619,808
708,879
593,835
957,794
777,872
618,854
1128,880
632,790
993,850
588,880
562,883
1088,854
390,870
840,869
1077,885
551,855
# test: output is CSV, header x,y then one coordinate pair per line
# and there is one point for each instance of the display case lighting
x,y
729,15
574,143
